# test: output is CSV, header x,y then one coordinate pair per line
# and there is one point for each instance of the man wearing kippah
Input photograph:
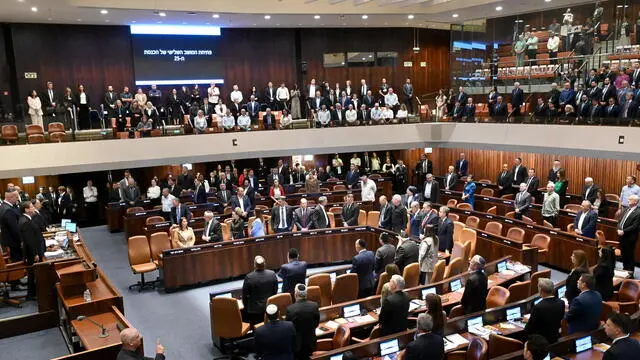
x,y
276,339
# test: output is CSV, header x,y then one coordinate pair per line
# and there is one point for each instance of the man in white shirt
x,y
90,194
552,45
351,116
228,122
324,116
387,114
236,95
244,121
368,187
377,117
167,203
282,95
311,91
391,101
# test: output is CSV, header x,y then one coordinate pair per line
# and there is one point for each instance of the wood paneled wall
x,y
434,50
31,189
608,174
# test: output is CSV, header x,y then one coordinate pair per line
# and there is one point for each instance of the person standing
x,y
426,345
90,194
305,317
584,310
9,218
618,328
468,194
546,316
292,273
363,265
395,308
131,342
550,205
628,233
276,339
407,89
384,255
35,108
257,287
474,297
522,202
32,244
428,255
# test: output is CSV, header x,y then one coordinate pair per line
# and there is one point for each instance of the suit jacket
x,y
623,349
546,317
430,220
32,239
224,197
588,224
611,111
186,181
40,220
595,93
522,202
384,256
303,221
318,217
572,284
47,104
393,313
434,195
258,285
385,216
462,167
474,297
350,214
452,181
363,265
445,235
517,97
275,217
520,176
398,218
369,101
316,103
500,109
305,317
184,211
200,195
64,205
533,185
353,177
504,179
292,273
110,98
235,202
630,226
133,194
607,93
214,231
425,346
364,116
276,340
469,110
9,228
584,312
406,254
175,191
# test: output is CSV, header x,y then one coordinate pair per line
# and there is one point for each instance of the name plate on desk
x,y
238,242
339,182
506,202
468,212
297,234
506,242
489,216
580,239
217,246
191,207
176,252
147,201
483,234
159,225
344,230
313,233
327,194
486,199
448,192
303,195
553,233
529,227
508,221
140,214
361,228
328,231
259,239
279,236
193,249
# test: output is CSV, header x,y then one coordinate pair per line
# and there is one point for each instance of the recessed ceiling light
x,y
107,20
163,14
104,11
34,9
547,0
267,17
410,17
365,17
498,8
215,16
316,17
455,15
78,20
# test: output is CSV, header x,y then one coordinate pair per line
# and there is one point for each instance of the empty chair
x,y
323,281
158,242
534,280
373,218
457,251
302,190
375,333
55,127
332,219
500,345
464,206
335,210
541,241
282,301
140,260
570,228
612,197
478,350
493,228
510,215
573,207
438,271
487,192
452,203
345,288
411,275
507,197
341,338
456,266
9,272
626,299
226,231
469,236
362,218
154,220
547,224
457,311
454,217
314,294
497,296
135,209
226,321
492,210
457,230
519,291
339,187
484,181
527,220
10,133
472,221
382,279
516,234
35,134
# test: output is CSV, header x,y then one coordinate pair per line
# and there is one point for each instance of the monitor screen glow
x,y
431,290
513,313
473,322
561,291
583,343
351,310
455,285
502,266
389,347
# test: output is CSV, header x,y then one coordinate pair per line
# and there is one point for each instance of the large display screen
x,y
176,55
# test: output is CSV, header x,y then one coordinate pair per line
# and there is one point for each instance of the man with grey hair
x,y
522,201
258,286
395,308
550,204
590,190
628,233
398,214
585,221
131,341
426,345
431,190
546,315
212,228
305,316
474,297
319,216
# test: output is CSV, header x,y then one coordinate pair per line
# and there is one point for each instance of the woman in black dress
x,y
603,272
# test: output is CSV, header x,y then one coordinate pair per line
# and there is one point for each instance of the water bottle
x,y
87,295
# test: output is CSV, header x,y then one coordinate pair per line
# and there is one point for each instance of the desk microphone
x,y
103,330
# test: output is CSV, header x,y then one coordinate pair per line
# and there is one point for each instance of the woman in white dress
x,y
402,114
295,103
35,108
441,105
154,192
213,93
375,163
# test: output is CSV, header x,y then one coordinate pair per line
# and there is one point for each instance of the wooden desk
x,y
113,321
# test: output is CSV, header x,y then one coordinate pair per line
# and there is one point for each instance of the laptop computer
x,y
351,311
389,349
583,344
455,285
431,290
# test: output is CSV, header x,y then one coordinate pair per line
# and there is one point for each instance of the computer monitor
x,y
473,322
502,266
351,310
513,313
280,287
224,295
63,223
336,357
431,290
389,347
536,301
455,285
71,227
583,343
561,291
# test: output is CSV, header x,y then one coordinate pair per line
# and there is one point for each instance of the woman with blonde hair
x,y
182,235
237,224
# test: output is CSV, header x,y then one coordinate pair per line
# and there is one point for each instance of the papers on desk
x,y
508,272
332,324
53,254
602,347
480,331
415,304
50,243
517,267
361,319
457,339
448,345
621,274
319,332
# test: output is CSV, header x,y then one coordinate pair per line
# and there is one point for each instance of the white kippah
x,y
272,309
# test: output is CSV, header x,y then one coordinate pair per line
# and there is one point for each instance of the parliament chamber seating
x,y
533,282
322,281
455,267
497,296
626,299
492,210
452,203
411,275
373,218
454,217
541,241
10,271
140,260
227,325
465,206
282,301
457,230
516,234
375,333
573,208
158,242
314,294
341,338
500,345
519,291
438,271
362,218
35,134
486,192
382,279
345,288
9,133
493,228
456,311
154,220
472,221
477,350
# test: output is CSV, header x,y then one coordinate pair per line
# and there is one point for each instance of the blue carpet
x,y
45,344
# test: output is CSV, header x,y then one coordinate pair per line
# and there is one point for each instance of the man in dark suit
x,y
474,297
585,221
212,229
302,216
240,200
590,190
423,167
305,317
595,92
426,344
110,99
462,166
276,339
200,195
337,115
350,211
353,175
292,273
398,214
63,203
131,342
368,99
450,178
224,195
469,112
40,219
504,180
186,180
281,216
174,189
9,228
584,310
457,112
363,265
407,251
257,287
500,110
595,113
179,211
384,221
608,91
553,172
619,327
50,102
522,202
546,316
431,190
364,117
628,233
635,75
319,216
462,96
395,308
131,194
519,173
32,243
208,110
445,230
533,183
283,170
316,102
430,219
517,99
384,255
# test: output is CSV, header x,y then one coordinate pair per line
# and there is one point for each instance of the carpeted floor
x,y
39,345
